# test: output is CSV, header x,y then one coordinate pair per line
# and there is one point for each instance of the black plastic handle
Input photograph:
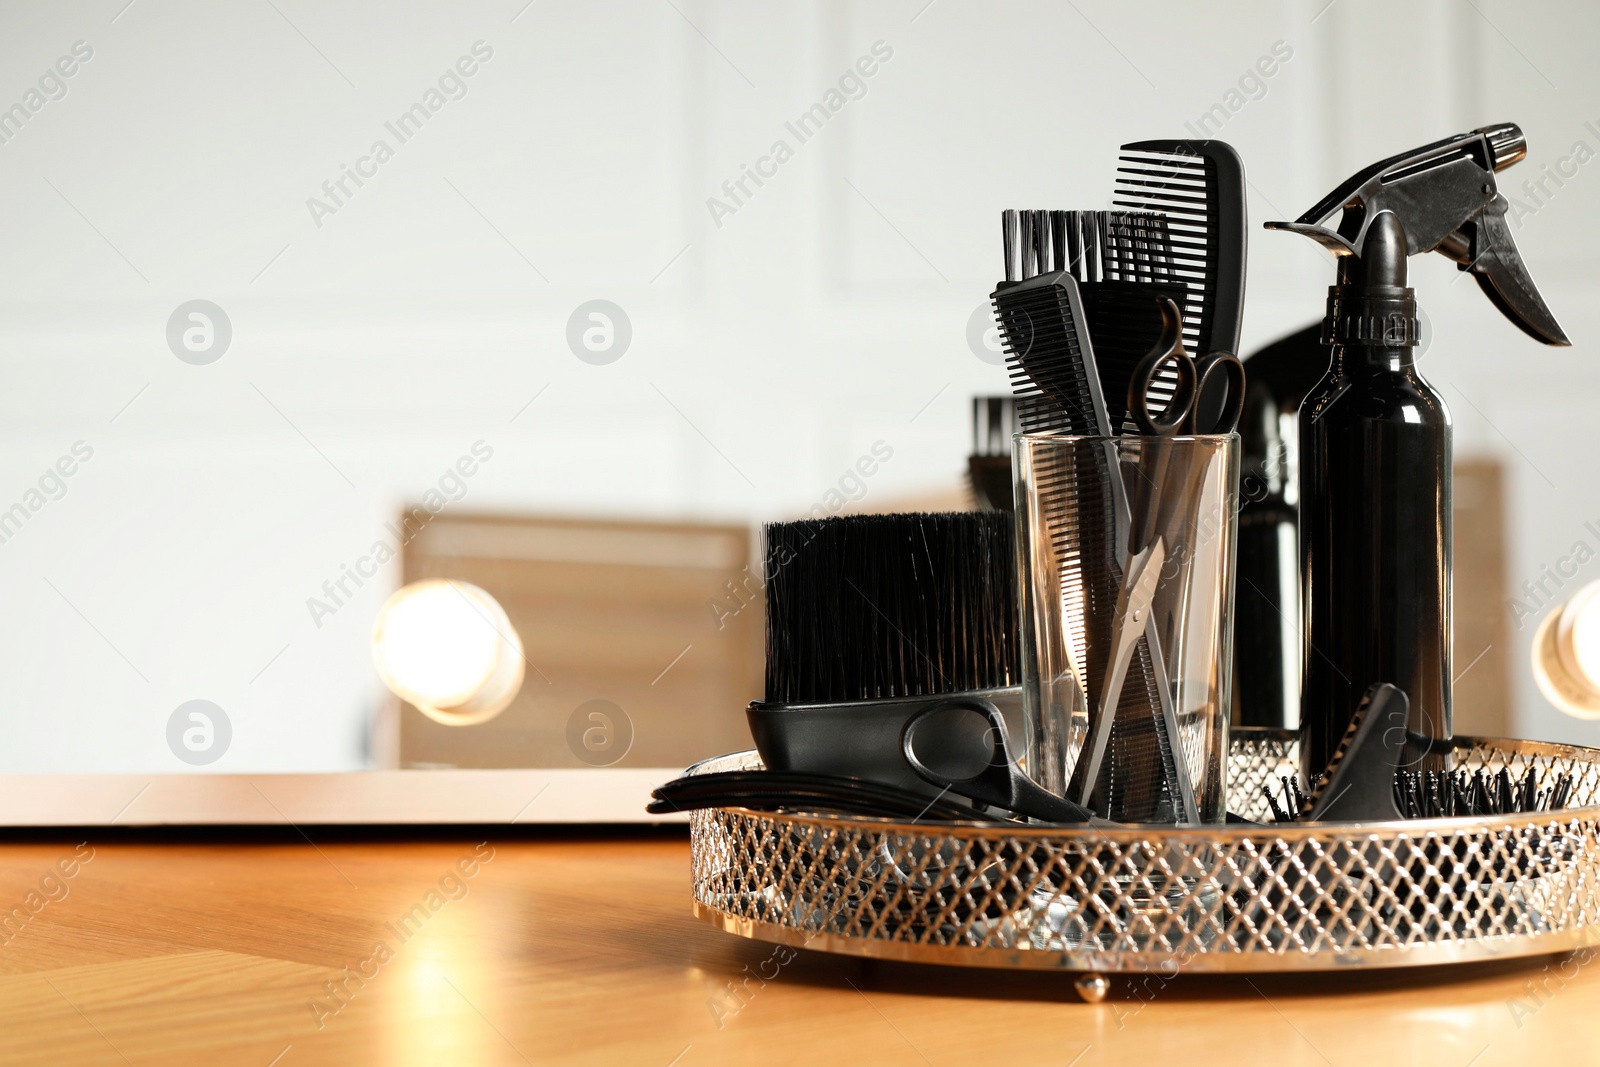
x,y
995,778
1168,350
1208,415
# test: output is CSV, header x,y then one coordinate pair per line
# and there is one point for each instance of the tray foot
x,y
1092,987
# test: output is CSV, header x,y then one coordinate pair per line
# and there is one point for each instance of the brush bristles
x,y
1437,794
868,607
1440,794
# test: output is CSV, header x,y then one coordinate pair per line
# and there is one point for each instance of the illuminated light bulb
x,y
1566,655
448,648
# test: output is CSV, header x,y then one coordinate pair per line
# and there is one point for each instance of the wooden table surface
x,y
578,947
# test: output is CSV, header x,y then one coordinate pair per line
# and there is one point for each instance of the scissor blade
x,y
1174,756
1133,611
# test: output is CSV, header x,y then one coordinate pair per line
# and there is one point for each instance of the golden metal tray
x,y
1159,898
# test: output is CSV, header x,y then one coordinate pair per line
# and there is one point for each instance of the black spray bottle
x,y
1375,452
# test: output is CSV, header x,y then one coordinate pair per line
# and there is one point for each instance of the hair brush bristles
x,y
868,607
1441,794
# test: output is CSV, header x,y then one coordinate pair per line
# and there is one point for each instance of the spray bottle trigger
x,y
1504,279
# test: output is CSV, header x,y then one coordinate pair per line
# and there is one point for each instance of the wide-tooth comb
x,y
1199,186
1123,264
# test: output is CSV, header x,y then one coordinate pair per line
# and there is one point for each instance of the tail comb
x,y
1358,784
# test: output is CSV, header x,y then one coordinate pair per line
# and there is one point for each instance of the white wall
x,y
769,351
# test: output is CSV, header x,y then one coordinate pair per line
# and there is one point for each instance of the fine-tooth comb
x,y
1199,187
1123,264
1057,386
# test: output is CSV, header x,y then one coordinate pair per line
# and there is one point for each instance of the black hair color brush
x,y
892,656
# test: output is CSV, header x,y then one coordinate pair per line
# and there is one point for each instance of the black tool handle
x,y
1361,783
1167,351
1215,411
994,780
768,790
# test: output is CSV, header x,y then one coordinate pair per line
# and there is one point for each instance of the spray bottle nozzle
x,y
1445,198
1507,142
1372,305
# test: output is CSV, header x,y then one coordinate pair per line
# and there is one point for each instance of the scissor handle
x,y
1207,370
992,777
1169,349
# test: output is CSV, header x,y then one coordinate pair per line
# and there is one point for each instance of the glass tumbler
x,y
1126,559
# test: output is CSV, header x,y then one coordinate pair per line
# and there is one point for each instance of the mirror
x,y
303,304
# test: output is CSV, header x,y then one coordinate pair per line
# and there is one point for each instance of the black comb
x,y
1127,270
1199,186
1051,359
1058,390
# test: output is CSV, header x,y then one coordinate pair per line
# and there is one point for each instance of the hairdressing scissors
x,y
1190,383
1194,406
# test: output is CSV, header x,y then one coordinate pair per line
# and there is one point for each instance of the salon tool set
x,y
999,738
